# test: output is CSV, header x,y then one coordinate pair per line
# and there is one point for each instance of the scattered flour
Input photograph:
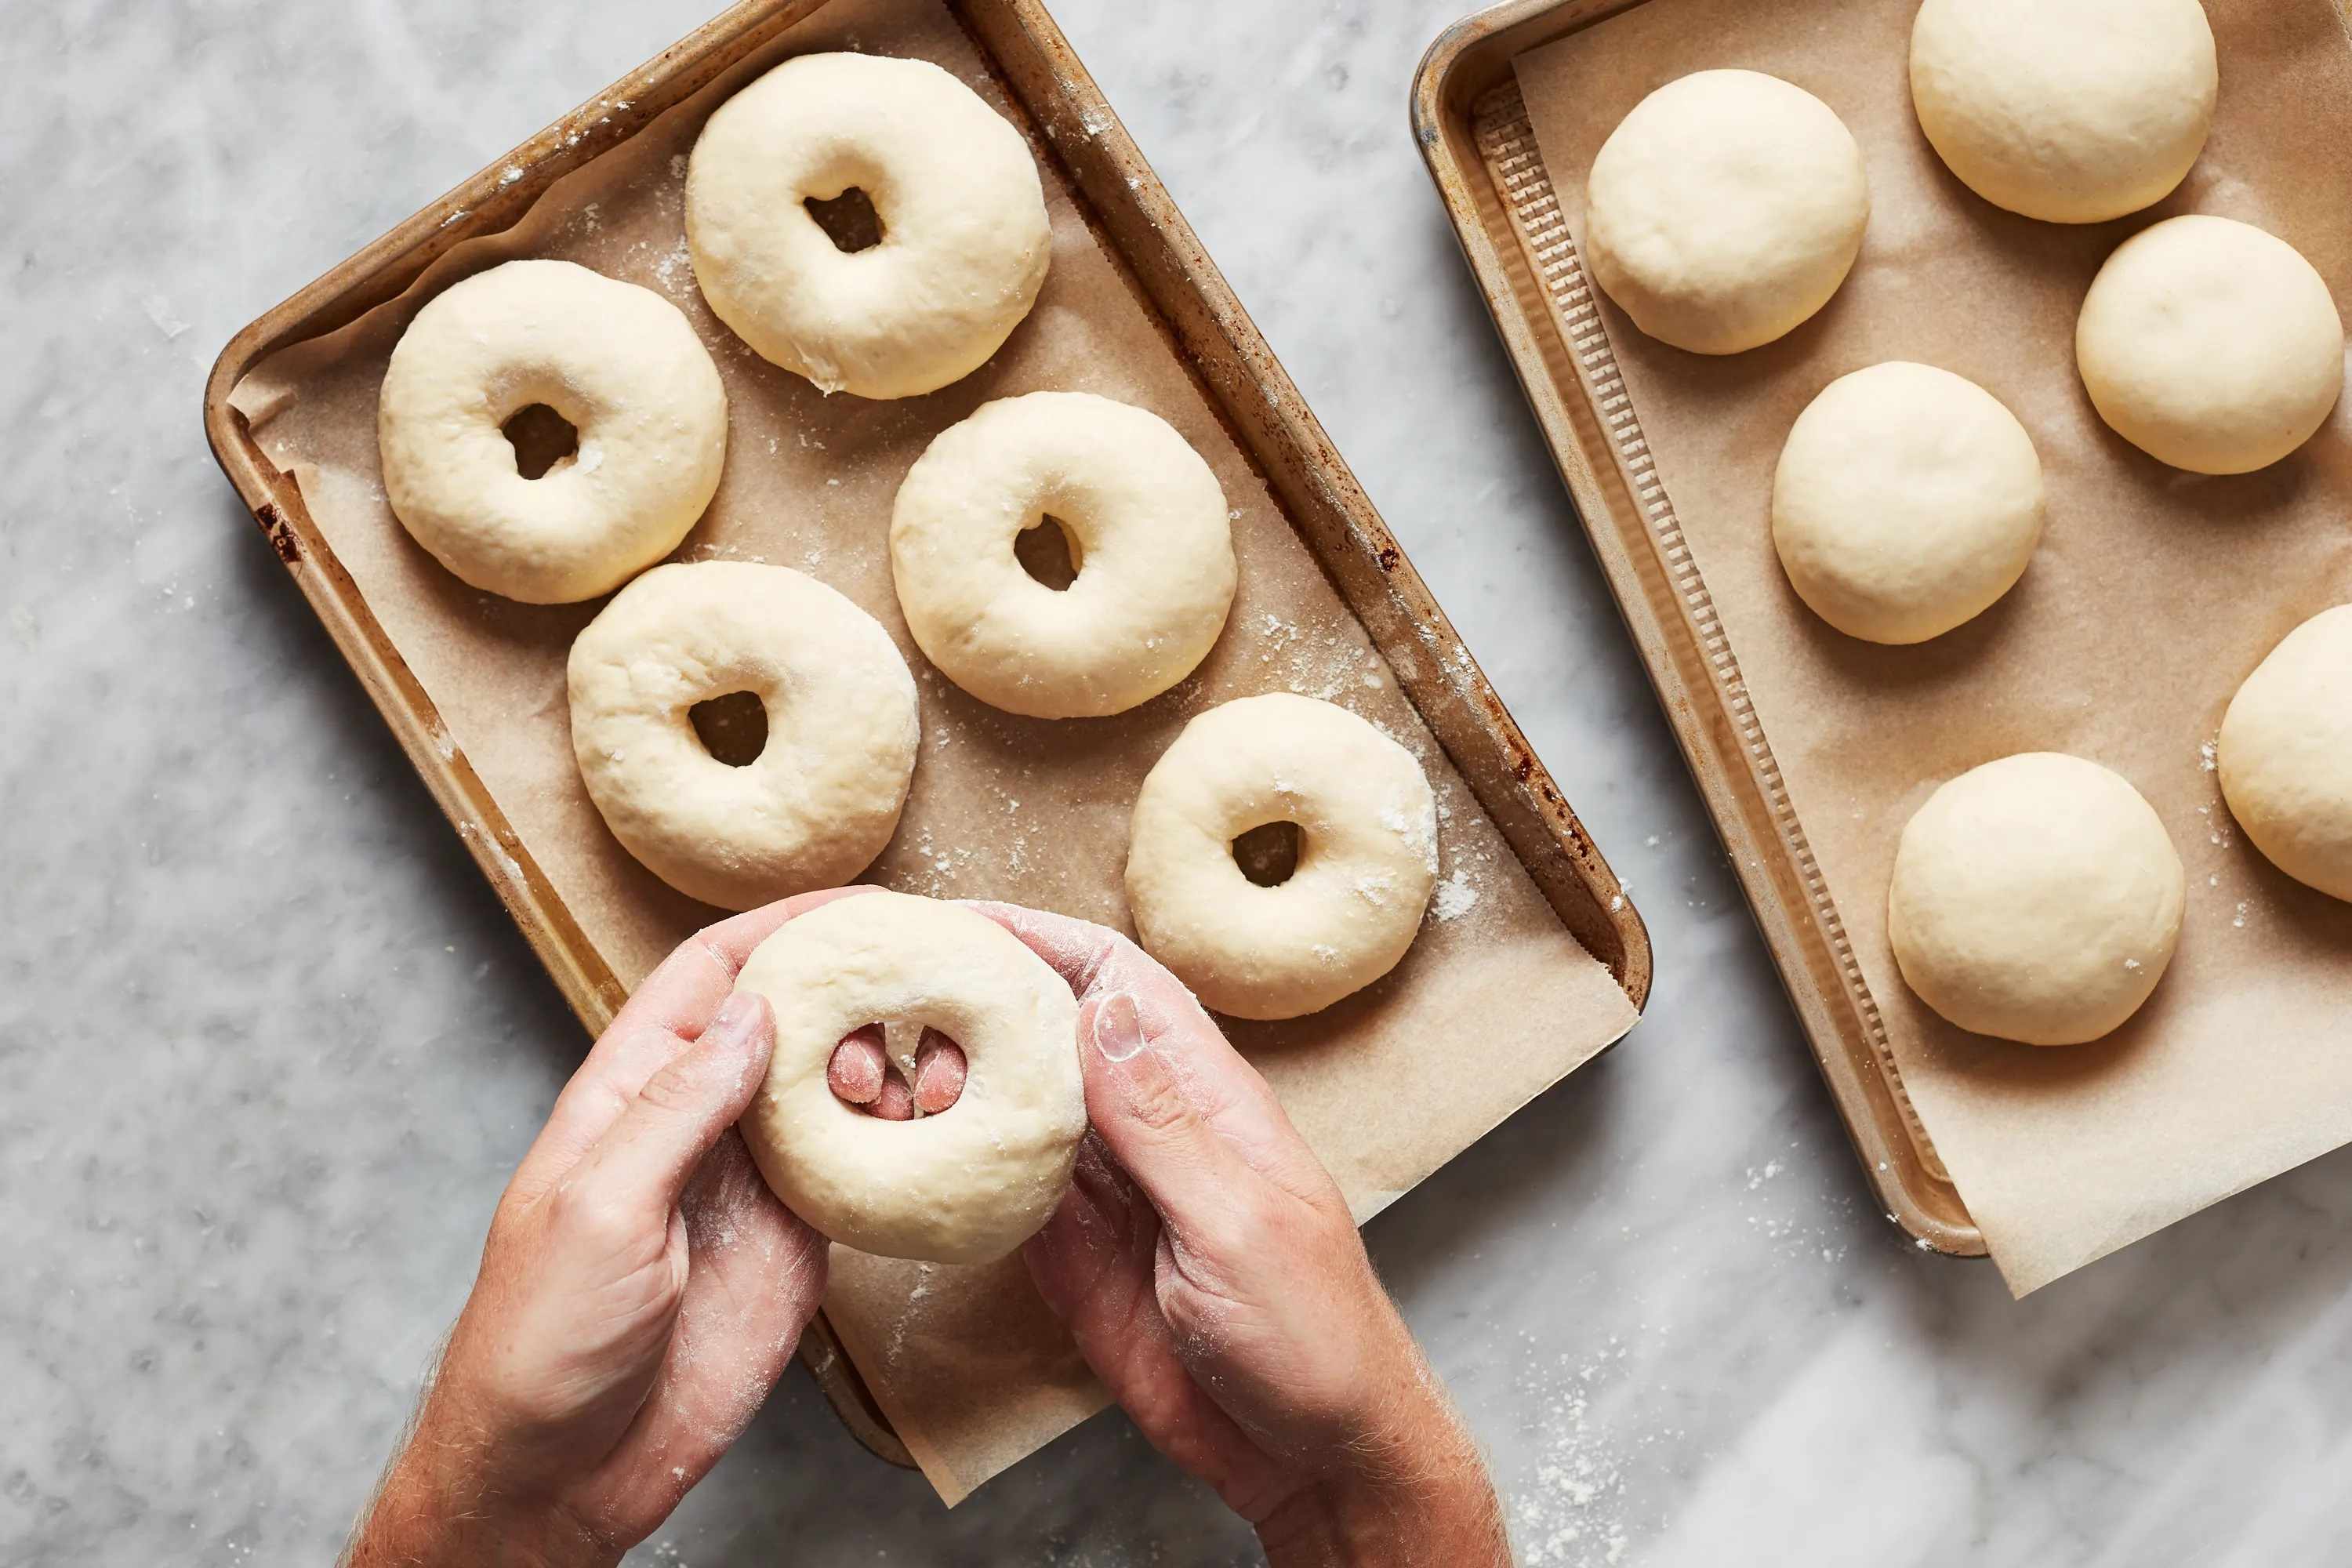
x,y
1573,1514
1455,897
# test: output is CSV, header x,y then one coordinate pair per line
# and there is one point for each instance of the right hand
x,y
1207,1265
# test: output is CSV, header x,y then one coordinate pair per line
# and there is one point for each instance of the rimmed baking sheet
x,y
963,1364
2153,594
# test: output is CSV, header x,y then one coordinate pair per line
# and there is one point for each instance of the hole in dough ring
x,y
1152,540
965,239
823,797
1366,855
970,1185
620,364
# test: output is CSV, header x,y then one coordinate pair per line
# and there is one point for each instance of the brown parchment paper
x,y
967,1363
2153,596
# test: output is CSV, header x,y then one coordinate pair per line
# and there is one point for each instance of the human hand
x,y
640,1292
1213,1278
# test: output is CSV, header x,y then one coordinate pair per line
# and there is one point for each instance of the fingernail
x,y
738,1019
1118,1027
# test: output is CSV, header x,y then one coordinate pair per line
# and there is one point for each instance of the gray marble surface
x,y
268,1048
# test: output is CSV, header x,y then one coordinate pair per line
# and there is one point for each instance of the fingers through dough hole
x,y
861,1074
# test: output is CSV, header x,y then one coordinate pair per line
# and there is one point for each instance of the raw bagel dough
x,y
618,361
965,239
970,1184
1149,533
1908,501
1366,855
2069,110
1725,210
2036,899
2286,753
2210,345
817,803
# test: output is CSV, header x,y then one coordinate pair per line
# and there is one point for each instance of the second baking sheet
x,y
2153,595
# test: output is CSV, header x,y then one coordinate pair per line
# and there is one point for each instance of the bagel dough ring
x,y
2066,110
1725,210
619,363
970,1184
822,799
2036,899
1366,855
1908,501
1149,533
2285,753
965,239
2210,345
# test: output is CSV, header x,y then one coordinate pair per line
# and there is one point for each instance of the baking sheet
x,y
2154,594
1387,1086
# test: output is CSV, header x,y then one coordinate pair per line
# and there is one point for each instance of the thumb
x,y
1146,1104
647,1157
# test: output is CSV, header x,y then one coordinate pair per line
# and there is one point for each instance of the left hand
x,y
641,1291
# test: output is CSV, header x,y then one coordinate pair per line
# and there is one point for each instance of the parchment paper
x,y
2153,596
1387,1086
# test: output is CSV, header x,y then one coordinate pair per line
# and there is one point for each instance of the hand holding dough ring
x,y
1366,855
821,799
618,361
1149,534
969,1184
965,239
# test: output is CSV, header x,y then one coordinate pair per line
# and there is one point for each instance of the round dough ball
x,y
2210,345
1725,210
1908,501
619,363
2036,899
2286,753
822,799
1148,532
970,1184
965,239
1366,855
2069,110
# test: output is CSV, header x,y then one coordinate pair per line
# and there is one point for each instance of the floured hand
x,y
640,1293
1207,1266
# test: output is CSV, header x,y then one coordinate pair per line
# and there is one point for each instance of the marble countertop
x,y
270,1047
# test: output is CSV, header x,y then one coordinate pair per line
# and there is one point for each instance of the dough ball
x,y
1725,210
2069,110
2286,753
2210,345
2036,899
965,238
970,1184
1907,502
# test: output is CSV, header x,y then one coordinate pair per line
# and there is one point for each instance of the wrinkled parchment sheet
x,y
2154,594
1387,1086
